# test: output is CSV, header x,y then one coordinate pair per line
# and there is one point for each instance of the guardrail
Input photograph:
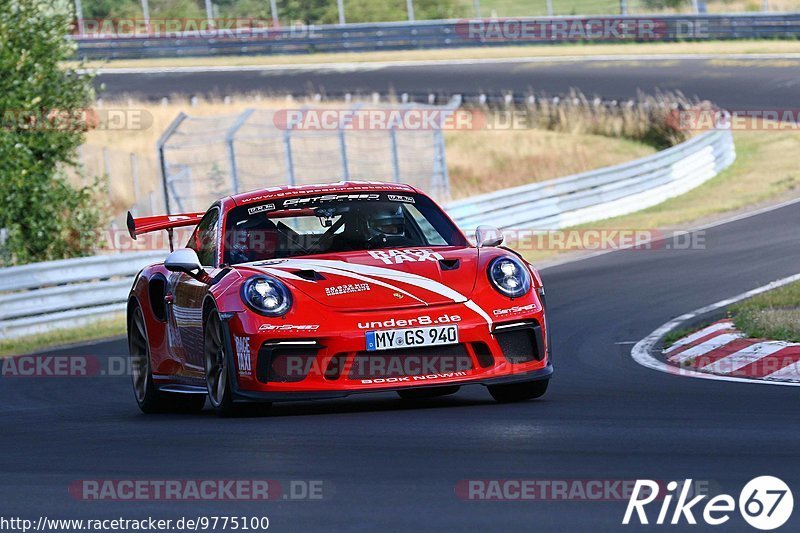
x,y
602,193
42,297
439,34
51,295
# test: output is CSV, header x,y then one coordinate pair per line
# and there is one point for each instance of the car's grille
x,y
410,362
483,354
521,344
286,362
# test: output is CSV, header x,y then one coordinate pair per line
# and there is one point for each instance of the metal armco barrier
x,y
43,297
440,34
602,193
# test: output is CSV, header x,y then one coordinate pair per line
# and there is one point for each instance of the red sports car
x,y
296,293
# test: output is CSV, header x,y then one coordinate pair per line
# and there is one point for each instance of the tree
x,y
43,215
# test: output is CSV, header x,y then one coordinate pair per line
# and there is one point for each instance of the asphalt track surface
x,y
737,84
393,465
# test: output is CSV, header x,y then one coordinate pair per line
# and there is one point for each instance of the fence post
x,y
410,9
79,17
343,155
623,7
477,5
146,15
107,174
395,159
287,144
273,7
209,14
440,181
135,178
549,8
230,137
162,163
441,177
340,7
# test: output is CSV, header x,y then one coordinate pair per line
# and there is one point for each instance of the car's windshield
x,y
335,223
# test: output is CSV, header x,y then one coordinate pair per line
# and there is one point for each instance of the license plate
x,y
391,339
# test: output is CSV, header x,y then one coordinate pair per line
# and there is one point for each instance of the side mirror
x,y
184,260
488,236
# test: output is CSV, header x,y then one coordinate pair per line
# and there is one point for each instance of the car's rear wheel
x,y
218,374
519,392
432,392
148,397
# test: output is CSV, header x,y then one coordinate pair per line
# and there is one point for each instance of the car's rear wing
x,y
138,226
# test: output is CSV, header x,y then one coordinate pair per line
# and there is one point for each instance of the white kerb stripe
x,y
699,335
743,357
791,372
709,346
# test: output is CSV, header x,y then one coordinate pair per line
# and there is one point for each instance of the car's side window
x,y
204,238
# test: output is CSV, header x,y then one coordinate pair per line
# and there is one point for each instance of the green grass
x,y
677,334
772,315
99,330
763,173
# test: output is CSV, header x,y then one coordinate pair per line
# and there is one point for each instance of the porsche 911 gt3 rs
x,y
311,292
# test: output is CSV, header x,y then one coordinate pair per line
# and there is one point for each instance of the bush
x,y
648,119
44,216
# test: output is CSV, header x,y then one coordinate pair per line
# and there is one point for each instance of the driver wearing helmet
x,y
373,227
255,239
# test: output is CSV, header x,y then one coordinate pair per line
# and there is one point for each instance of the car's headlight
x,y
509,276
267,296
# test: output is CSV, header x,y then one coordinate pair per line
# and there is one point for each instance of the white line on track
x,y
641,352
375,65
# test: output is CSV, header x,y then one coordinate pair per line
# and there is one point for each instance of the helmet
x,y
251,240
388,221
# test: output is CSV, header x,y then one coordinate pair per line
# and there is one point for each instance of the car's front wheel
x,y
218,373
519,392
148,397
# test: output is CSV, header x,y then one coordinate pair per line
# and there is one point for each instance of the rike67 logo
x,y
765,503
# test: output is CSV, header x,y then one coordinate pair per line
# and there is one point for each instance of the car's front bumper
x,y
261,356
279,396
